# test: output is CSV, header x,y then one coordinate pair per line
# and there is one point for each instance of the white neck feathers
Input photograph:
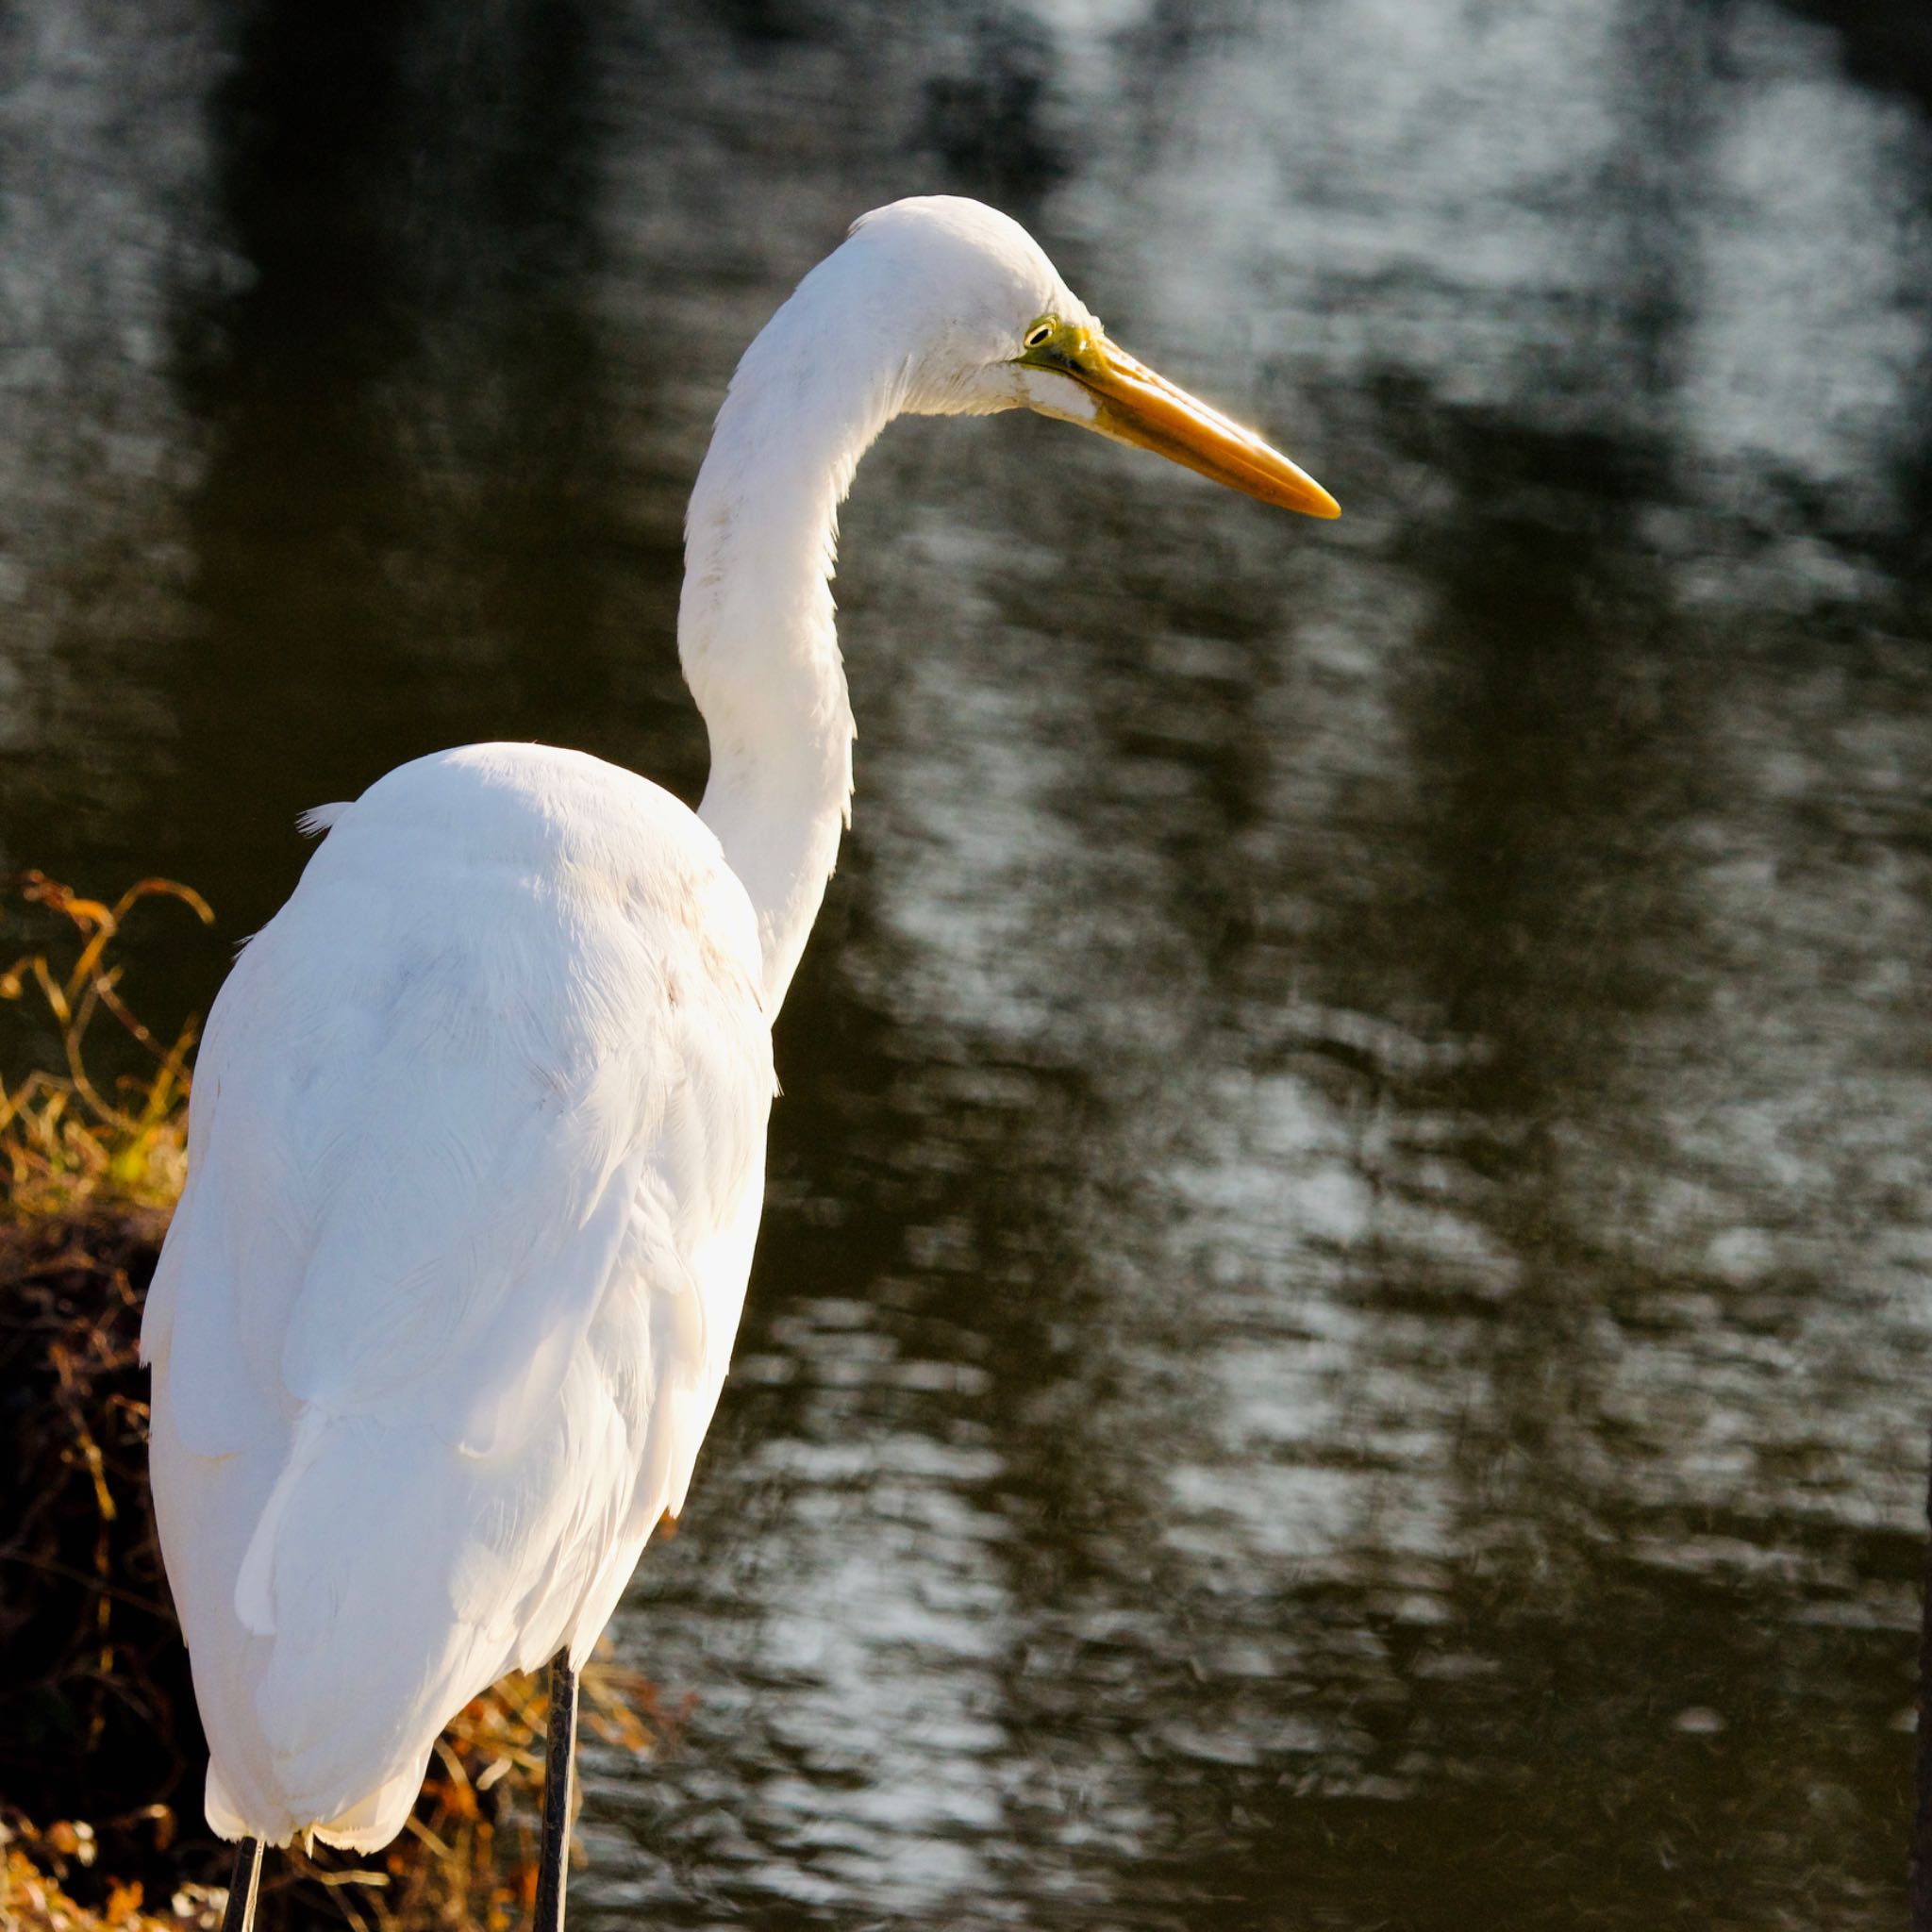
x,y
756,630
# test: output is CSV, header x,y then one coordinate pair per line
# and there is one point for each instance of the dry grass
x,y
34,1900
63,1141
468,1858
101,1753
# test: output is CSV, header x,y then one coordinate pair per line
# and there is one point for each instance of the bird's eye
x,y
1041,333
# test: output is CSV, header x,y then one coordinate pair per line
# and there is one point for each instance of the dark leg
x,y
239,1915
559,1756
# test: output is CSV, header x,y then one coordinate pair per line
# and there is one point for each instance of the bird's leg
x,y
239,1914
559,1757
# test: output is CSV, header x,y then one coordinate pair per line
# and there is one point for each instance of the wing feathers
x,y
448,1298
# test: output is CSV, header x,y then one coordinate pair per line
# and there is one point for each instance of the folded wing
x,y
475,1173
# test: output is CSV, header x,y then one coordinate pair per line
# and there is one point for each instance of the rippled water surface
x,y
1342,1337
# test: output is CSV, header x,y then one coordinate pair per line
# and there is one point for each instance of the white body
x,y
476,1170
478,1125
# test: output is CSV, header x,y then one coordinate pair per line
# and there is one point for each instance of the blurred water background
x,y
1342,1337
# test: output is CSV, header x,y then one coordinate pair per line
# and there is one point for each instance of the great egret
x,y
478,1142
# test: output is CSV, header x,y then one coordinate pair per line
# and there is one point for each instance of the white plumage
x,y
478,1127
475,1173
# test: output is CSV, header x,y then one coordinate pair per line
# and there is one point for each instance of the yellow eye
x,y
1041,333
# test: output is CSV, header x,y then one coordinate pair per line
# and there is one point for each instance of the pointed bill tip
x,y
1143,407
1133,403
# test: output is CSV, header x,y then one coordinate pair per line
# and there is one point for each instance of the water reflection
x,y
1339,1333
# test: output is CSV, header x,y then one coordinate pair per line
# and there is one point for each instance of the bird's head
x,y
982,321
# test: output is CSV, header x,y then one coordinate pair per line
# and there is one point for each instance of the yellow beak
x,y
1134,405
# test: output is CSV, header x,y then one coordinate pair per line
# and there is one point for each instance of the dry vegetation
x,y
65,1142
101,1754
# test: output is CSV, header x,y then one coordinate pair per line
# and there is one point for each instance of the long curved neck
x,y
756,632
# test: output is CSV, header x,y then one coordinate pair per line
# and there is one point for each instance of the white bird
x,y
477,1139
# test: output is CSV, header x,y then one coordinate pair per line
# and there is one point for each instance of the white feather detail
x,y
476,1154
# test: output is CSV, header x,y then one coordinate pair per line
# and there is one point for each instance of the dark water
x,y
1342,1338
